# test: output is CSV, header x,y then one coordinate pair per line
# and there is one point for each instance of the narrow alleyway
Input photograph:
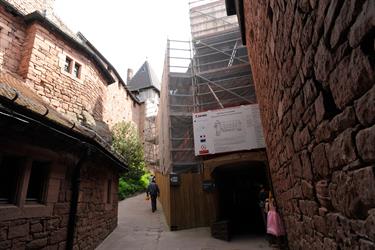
x,y
140,229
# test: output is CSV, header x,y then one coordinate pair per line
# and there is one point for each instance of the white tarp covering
x,y
226,130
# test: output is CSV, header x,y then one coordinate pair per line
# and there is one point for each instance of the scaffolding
x,y
151,142
210,72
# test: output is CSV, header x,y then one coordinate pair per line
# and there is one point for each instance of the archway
x,y
238,186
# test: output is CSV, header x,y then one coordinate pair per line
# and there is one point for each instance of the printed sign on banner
x,y
226,130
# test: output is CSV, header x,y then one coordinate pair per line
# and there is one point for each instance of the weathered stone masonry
x,y
313,66
32,56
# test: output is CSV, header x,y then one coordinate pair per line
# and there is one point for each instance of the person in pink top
x,y
275,226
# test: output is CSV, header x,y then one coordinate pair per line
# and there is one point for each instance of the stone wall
x,y
42,66
12,37
45,226
313,66
38,226
96,218
38,55
28,6
121,106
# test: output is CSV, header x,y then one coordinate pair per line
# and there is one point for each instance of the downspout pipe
x,y
76,183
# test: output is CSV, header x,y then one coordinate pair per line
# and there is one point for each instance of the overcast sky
x,y
127,32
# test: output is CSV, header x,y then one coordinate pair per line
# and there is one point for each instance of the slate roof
x,y
14,93
144,78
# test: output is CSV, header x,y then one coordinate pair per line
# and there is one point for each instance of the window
x,y
37,182
68,64
22,180
9,178
109,191
71,67
77,70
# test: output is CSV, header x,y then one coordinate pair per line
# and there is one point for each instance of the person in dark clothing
x,y
153,191
262,202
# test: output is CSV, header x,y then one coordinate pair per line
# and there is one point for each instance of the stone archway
x,y
235,199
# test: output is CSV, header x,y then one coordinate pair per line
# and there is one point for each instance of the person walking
x,y
153,192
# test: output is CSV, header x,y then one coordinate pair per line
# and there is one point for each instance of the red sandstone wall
x,y
35,54
36,226
120,106
38,55
28,6
95,217
12,36
42,64
313,66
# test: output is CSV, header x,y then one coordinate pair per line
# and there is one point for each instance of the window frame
x,y
74,62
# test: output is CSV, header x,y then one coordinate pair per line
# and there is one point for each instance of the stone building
x,y
313,67
145,86
59,98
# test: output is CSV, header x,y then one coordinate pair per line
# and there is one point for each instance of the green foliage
x,y
145,180
129,186
126,142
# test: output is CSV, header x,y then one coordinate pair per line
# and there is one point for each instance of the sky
x,y
128,32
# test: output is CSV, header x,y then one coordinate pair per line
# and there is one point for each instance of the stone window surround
x,y
21,208
74,61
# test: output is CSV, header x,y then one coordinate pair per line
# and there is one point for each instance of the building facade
x,y
145,86
313,65
59,97
209,74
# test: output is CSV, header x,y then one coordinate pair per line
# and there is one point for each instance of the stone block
x,y
344,120
308,62
320,110
297,110
353,193
324,62
61,209
320,224
37,227
352,77
16,231
6,244
363,24
3,233
320,166
365,141
364,183
366,245
40,235
348,11
365,108
309,208
306,165
323,131
307,190
330,17
58,236
322,193
342,151
370,225
37,244
329,244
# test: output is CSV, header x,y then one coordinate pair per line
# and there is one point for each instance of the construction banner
x,y
227,130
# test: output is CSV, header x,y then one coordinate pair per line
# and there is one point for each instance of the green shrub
x,y
128,187
126,142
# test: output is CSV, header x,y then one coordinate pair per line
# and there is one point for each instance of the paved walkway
x,y
140,229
